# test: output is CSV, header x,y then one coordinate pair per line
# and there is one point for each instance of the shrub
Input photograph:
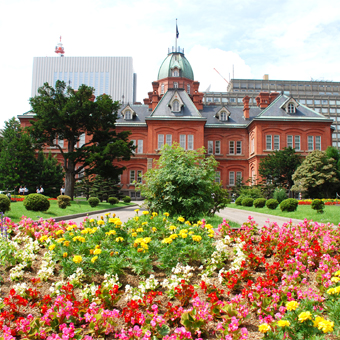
x,y
93,201
259,202
290,204
280,194
272,204
5,203
36,202
251,192
64,201
247,202
318,205
239,200
113,200
127,199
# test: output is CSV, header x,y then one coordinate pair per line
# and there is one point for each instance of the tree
x,y
181,182
67,114
279,167
317,175
49,174
17,158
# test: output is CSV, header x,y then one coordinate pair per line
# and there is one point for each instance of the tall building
x,y
321,96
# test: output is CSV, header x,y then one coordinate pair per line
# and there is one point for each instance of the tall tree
x,y
279,167
17,157
66,114
317,175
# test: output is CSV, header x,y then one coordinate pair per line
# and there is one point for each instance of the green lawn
x,y
331,213
78,206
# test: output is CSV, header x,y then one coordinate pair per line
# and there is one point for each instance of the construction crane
x,y
222,76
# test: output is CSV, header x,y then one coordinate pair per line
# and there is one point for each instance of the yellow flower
x,y
91,251
94,259
70,227
144,223
97,251
59,232
305,316
134,234
91,220
154,214
292,305
139,230
199,222
326,326
136,210
77,259
196,238
139,250
173,236
107,214
147,239
111,232
181,219
184,235
136,218
167,240
119,239
65,255
337,273
183,231
317,320
43,238
209,226
51,247
71,234
93,230
166,214
66,243
335,279
100,222
164,219
59,240
264,328
101,217
145,212
187,222
191,232
283,323
172,227
154,229
85,231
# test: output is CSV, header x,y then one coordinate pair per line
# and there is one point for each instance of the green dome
x,y
175,60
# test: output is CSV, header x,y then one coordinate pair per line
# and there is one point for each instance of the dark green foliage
x,y
318,205
272,204
252,192
36,202
290,204
247,202
239,201
280,194
220,198
279,167
65,114
127,199
113,200
5,203
181,182
93,201
260,202
64,201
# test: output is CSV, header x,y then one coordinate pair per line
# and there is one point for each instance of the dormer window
x,y
176,85
128,115
175,72
291,108
176,103
223,116
175,106
188,89
290,105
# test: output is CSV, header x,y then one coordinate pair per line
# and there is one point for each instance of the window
x,y
217,147
252,145
318,143
175,73
168,139
317,101
324,110
175,85
240,100
134,144
82,140
218,176
290,142
276,142
162,89
182,141
160,141
302,101
190,142
324,101
297,143
175,106
309,102
61,142
223,116
332,110
291,108
268,142
210,147
139,176
232,147
238,177
310,143
238,147
128,115
140,146
217,100
232,100
188,88
231,177
132,176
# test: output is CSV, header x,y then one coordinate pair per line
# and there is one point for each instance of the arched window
x,y
128,115
175,73
175,106
188,88
162,89
291,108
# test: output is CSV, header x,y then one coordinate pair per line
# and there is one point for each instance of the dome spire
x,y
177,35
59,49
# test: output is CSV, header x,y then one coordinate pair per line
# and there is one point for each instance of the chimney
x,y
273,96
155,97
246,107
197,96
262,100
266,77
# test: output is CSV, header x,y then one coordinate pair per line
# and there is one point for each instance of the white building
x,y
111,75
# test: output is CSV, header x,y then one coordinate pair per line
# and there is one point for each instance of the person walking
x,y
21,190
25,190
62,190
41,189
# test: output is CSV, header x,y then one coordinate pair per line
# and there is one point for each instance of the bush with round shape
x,y
260,202
5,203
239,200
64,201
280,194
127,199
93,201
247,202
290,204
113,200
318,205
36,202
272,204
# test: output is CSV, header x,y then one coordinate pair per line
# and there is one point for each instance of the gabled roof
x,y
141,111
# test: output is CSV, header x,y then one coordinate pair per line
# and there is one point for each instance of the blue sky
x,y
288,39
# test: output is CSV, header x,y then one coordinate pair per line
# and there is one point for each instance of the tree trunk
x,y
69,179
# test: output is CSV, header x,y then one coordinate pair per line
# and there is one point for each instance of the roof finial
x,y
177,35
59,49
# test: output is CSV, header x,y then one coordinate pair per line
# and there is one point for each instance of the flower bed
x,y
325,200
20,198
63,281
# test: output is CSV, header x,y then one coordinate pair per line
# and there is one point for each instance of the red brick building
x,y
238,136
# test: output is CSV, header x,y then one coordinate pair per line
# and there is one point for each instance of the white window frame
x,y
139,176
318,143
210,147
218,176
223,116
132,176
290,141
182,141
310,143
217,147
291,108
238,176
134,144
128,115
61,143
190,142
297,142
231,178
81,140
276,142
160,141
269,142
231,147
175,85
140,146
175,106
168,139
239,147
